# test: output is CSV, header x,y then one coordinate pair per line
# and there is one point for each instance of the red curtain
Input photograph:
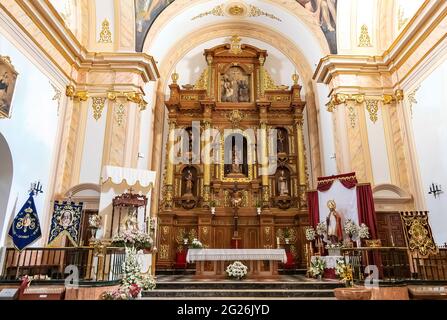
x,y
314,210
348,180
365,206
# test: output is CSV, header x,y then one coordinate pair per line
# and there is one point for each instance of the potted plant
x,y
213,207
287,235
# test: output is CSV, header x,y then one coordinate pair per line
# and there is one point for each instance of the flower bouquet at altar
x,y
237,270
133,282
344,272
133,238
196,244
317,267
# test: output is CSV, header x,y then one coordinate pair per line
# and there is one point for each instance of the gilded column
x,y
209,86
301,149
207,164
169,178
262,76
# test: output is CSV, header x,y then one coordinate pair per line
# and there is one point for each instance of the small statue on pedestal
x,y
333,222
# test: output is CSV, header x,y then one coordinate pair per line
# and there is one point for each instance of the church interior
x,y
178,149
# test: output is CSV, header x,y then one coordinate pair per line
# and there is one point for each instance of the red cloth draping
x,y
314,211
365,206
348,180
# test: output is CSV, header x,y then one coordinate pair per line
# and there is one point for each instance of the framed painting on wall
x,y
8,76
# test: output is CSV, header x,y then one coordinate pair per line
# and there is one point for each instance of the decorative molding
x,y
411,97
343,98
130,96
372,105
238,10
57,96
217,11
202,82
365,39
105,36
120,110
98,106
235,117
402,21
352,116
257,12
235,45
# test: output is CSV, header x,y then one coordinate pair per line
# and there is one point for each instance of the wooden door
x,y
390,230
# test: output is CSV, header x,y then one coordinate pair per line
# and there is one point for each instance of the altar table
x,y
212,263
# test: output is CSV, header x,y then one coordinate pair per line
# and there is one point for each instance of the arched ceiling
x,y
184,18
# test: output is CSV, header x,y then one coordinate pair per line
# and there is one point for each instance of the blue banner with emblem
x,y
25,228
66,220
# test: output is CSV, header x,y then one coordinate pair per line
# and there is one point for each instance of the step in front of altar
x,y
243,289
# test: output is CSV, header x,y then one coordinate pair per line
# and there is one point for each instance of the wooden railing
x,y
56,264
395,264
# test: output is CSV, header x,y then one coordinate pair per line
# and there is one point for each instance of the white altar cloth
x,y
236,254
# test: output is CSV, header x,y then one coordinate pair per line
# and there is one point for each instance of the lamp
x,y
435,190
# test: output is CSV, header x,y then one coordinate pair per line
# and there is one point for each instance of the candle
x,y
105,225
392,241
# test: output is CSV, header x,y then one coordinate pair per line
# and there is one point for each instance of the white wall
x,y
430,134
93,146
30,133
377,148
6,171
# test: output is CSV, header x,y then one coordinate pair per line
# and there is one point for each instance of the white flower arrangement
x,y
351,229
133,281
196,244
321,229
363,231
133,238
310,234
237,270
317,267
94,221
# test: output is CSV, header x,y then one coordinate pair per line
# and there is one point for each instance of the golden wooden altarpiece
x,y
234,94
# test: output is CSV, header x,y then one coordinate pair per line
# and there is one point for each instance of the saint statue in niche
x,y
281,141
236,165
333,222
131,221
283,184
189,181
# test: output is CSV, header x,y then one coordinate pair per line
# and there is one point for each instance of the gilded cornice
x,y
65,51
391,66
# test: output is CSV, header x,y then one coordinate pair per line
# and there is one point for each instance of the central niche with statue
x,y
227,186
